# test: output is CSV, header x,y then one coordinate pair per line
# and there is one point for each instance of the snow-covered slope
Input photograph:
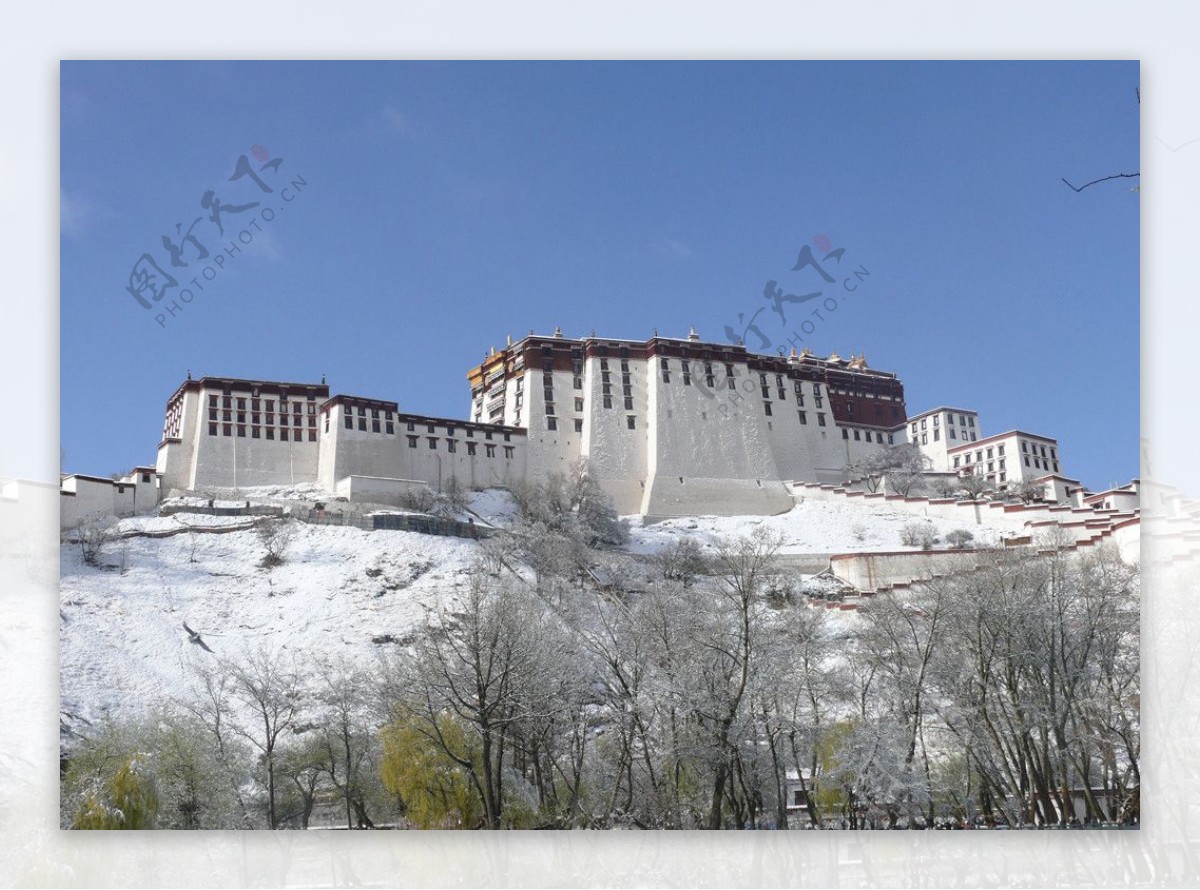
x,y
123,643
341,591
809,527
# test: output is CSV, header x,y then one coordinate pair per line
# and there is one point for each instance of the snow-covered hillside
x,y
809,527
123,644
341,591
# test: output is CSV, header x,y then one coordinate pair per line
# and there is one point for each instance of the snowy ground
x,y
304,491
122,637
341,591
495,506
178,522
809,527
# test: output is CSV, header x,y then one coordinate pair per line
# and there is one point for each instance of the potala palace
x,y
668,426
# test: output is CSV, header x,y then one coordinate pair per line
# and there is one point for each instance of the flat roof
x,y
941,408
198,383
972,445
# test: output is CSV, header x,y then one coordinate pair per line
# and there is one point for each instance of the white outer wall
x,y
354,452
936,451
551,451
80,498
616,454
203,461
1019,465
707,455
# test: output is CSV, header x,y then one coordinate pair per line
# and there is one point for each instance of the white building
x,y
1009,458
680,426
936,432
668,426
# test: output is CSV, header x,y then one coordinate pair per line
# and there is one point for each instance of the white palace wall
x,y
353,452
665,444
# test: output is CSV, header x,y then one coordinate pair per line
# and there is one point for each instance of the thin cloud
x,y
675,249
76,213
397,121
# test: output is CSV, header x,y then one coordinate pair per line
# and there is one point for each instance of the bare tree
x,y
1027,491
959,538
452,500
681,561
94,533
976,487
919,534
275,535
344,737
730,640
476,664
267,685
900,464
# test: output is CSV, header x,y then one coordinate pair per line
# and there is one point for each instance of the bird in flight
x,y
195,638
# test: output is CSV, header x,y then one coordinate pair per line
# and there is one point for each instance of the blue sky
x,y
446,205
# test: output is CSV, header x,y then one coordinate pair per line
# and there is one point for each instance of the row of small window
x,y
258,418
997,451
268,433
866,436
624,362
967,436
1030,448
548,382
963,420
552,424
452,446
1040,464
991,466
550,407
227,403
410,425
894,411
